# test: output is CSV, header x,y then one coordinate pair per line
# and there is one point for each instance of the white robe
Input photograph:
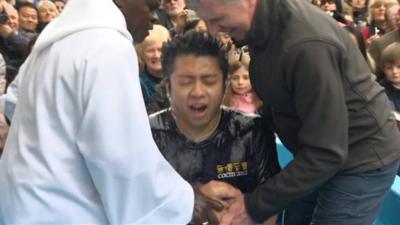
x,y
80,149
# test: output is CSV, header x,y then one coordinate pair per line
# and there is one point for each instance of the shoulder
x,y
239,121
249,128
101,43
161,120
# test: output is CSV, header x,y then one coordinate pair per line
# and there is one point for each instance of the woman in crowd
x,y
376,20
149,53
47,12
359,12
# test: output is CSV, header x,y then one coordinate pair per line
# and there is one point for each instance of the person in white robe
x,y
80,149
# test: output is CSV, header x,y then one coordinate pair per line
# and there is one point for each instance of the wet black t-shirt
x,y
241,151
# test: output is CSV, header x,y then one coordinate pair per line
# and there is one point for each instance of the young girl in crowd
x,y
239,94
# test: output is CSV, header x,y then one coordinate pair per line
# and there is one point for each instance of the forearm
x,y
307,172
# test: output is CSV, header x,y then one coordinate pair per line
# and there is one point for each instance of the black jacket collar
x,y
265,23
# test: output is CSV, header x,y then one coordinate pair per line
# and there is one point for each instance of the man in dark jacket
x,y
318,93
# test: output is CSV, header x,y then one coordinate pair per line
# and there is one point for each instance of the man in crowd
x,y
28,17
173,15
318,93
75,154
14,43
201,140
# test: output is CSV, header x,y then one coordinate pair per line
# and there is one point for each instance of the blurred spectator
x,y
234,54
376,20
60,4
239,94
149,53
9,22
377,46
360,12
390,64
392,17
47,12
28,17
335,9
348,14
172,8
14,43
173,15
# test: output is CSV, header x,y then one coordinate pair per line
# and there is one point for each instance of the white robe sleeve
x,y
135,183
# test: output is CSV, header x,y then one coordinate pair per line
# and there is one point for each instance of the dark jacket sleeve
x,y
19,42
313,76
265,153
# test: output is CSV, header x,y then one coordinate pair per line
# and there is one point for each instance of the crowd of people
x,y
369,23
21,23
218,82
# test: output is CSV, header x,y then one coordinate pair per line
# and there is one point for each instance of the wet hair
x,y
391,54
193,43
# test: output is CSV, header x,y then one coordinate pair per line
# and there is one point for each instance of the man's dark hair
x,y
193,43
27,5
